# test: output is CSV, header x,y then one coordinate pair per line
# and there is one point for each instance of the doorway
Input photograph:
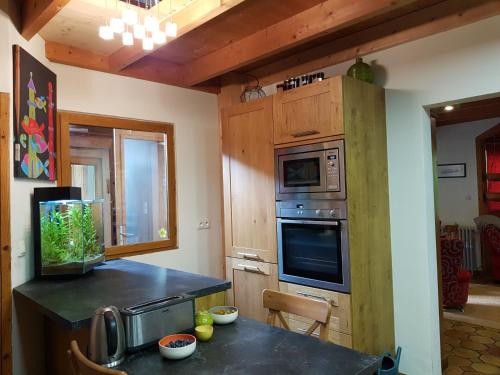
x,y
5,274
467,195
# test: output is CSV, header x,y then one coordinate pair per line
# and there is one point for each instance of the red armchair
x,y
491,235
455,279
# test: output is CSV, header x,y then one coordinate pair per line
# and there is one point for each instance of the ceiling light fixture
x,y
129,25
449,108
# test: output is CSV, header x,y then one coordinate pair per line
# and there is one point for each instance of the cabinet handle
x,y
304,133
305,330
252,269
309,295
250,256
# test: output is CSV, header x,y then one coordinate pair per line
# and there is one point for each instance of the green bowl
x,y
204,333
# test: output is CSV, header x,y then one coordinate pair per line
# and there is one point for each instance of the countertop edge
x,y
76,325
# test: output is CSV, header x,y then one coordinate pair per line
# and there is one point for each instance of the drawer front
x,y
335,337
249,279
341,305
258,255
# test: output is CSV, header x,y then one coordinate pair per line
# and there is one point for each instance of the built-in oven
x,y
313,244
313,171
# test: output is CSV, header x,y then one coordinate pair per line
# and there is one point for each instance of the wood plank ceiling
x,y
466,112
269,39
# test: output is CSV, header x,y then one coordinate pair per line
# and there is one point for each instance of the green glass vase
x,y
361,70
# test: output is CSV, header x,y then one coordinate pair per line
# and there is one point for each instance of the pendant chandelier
x,y
131,27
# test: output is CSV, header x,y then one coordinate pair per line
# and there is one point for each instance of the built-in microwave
x,y
311,172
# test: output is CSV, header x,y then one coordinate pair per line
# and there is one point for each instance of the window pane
x,y
83,176
144,189
128,169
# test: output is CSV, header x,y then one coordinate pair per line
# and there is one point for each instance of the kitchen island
x,y
250,347
68,304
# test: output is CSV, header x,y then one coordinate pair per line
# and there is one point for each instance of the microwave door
x,y
302,173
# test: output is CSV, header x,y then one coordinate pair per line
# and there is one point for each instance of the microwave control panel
x,y
332,170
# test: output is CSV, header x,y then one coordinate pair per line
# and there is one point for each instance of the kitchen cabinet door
x,y
309,112
248,181
249,279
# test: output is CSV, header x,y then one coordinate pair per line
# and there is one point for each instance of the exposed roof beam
x,y
320,20
194,15
147,68
438,18
36,13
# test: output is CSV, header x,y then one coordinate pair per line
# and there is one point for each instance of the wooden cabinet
x,y
248,181
336,337
309,112
339,108
249,279
341,305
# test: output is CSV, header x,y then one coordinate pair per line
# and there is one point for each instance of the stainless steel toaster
x,y
147,322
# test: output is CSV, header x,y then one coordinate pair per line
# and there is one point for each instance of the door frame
x,y
5,241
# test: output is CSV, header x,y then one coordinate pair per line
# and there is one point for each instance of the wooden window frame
x,y
66,119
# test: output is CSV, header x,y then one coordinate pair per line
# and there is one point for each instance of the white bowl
x,y
177,353
226,318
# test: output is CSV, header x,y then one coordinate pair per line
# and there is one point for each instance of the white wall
x,y
458,197
197,167
458,64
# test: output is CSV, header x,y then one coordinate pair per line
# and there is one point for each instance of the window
x,y
129,164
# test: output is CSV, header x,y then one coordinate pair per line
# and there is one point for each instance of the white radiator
x,y
472,247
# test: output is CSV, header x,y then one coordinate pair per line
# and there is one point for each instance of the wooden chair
x,y
81,365
278,302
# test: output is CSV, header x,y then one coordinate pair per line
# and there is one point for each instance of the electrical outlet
x,y
204,224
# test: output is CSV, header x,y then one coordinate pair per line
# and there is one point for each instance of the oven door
x,y
302,173
314,253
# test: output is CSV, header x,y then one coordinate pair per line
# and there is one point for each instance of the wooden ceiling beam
x,y
36,13
148,68
194,15
318,21
428,21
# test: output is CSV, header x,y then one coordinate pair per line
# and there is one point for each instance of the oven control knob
x,y
318,212
332,213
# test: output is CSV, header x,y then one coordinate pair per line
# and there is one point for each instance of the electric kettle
x,y
107,337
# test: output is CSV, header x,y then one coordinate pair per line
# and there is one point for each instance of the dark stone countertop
x,y
251,347
121,283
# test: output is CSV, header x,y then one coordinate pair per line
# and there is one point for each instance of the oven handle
x,y
309,222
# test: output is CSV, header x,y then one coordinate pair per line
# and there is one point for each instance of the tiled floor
x,y
470,349
482,308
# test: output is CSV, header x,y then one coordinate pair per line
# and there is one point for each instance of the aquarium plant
x,y
68,234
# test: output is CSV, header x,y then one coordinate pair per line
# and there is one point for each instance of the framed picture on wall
x,y
452,170
35,116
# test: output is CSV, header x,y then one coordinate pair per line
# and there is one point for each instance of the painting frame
x,y
35,118
452,170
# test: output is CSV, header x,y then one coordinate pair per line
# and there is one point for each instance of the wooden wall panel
x,y
5,246
369,223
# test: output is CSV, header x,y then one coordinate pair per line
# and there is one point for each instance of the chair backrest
x,y
278,302
81,365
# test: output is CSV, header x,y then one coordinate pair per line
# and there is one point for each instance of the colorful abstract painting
x,y
35,112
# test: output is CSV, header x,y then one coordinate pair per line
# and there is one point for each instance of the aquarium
x,y
71,236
